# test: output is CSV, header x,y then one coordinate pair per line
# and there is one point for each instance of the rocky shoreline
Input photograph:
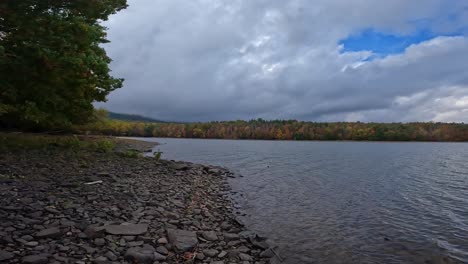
x,y
64,206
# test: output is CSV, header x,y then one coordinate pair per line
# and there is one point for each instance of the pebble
x,y
140,213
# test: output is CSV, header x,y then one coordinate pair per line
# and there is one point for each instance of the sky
x,y
322,60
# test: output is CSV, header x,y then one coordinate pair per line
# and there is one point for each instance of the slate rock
x,y
139,255
35,260
127,229
159,257
5,255
210,252
182,240
162,250
245,257
94,231
209,235
230,236
53,232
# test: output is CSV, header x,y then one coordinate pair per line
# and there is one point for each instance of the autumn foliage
x,y
283,130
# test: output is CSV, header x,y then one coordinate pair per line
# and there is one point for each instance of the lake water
x,y
346,202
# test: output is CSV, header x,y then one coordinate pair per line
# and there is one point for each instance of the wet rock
x,y
34,260
127,229
182,240
53,232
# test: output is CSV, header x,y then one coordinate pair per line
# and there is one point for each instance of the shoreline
x,y
64,206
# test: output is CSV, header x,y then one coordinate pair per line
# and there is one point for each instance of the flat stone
x,y
94,231
53,232
99,242
222,254
210,252
135,243
162,250
110,255
101,260
230,236
127,229
140,255
245,257
267,253
32,244
209,235
159,257
162,240
35,260
5,255
182,240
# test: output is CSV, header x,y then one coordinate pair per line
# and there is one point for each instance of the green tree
x,y
52,67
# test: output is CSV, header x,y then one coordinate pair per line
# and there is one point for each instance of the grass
x,y
14,141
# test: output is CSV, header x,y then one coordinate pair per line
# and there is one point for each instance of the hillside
x,y
129,117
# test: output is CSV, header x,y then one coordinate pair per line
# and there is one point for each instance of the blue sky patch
x,y
382,43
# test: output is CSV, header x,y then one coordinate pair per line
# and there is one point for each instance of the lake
x,y
346,202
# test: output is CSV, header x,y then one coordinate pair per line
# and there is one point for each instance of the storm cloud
x,y
206,60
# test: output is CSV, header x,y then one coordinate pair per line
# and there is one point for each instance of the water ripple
x,y
347,202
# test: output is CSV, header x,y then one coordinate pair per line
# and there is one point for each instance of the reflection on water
x,y
347,202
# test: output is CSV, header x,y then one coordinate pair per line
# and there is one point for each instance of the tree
x,y
52,67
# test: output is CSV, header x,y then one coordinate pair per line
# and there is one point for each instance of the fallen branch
x,y
93,183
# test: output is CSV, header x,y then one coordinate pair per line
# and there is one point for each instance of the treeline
x,y
284,130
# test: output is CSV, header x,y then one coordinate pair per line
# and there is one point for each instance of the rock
x,y
217,262
93,231
210,252
209,235
127,229
162,240
99,242
53,232
162,250
101,260
182,240
27,237
5,255
110,255
32,244
139,255
135,243
245,257
35,260
222,254
159,257
200,256
230,236
267,253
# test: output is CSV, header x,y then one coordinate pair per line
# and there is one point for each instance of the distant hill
x,y
137,118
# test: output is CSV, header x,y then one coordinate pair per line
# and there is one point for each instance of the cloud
x,y
207,60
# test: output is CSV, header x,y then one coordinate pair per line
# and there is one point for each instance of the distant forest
x,y
282,130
